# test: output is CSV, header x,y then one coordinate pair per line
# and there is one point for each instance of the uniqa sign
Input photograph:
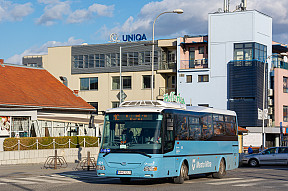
x,y
173,98
127,38
133,37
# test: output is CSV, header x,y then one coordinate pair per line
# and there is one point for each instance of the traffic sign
x,y
260,113
123,96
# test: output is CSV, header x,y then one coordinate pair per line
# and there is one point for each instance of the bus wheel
x,y
125,179
222,170
183,174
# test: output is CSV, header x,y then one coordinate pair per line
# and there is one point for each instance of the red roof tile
x,y
23,86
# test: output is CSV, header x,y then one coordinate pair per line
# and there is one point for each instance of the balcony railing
x,y
194,64
280,64
164,90
166,66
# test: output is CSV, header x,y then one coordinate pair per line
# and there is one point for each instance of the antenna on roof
x,y
226,6
242,6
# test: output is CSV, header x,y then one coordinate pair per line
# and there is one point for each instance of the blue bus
x,y
157,139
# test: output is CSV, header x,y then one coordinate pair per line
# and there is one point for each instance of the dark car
x,y
271,156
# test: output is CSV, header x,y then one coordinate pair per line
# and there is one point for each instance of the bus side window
x,y
181,128
194,128
230,128
169,133
207,129
219,128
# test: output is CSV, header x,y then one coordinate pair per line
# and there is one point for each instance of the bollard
x,y
18,145
69,143
84,143
54,144
37,143
55,161
88,160
98,142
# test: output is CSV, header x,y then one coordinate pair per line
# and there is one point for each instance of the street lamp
x,y
264,81
178,11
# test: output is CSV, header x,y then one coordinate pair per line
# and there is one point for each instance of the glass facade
x,y
113,59
250,51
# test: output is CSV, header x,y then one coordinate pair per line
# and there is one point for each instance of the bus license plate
x,y
124,172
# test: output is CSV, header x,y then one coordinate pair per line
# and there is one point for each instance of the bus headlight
x,y
100,167
150,168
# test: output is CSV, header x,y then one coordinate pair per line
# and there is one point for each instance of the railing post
x,y
54,144
69,141
55,161
98,142
37,143
84,143
88,160
18,145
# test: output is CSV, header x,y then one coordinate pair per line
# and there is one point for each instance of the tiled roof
x,y
24,86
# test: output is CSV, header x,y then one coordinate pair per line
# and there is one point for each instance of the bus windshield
x,y
133,132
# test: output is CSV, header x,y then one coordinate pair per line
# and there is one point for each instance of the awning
x,y
69,119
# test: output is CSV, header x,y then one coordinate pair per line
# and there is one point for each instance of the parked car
x,y
271,156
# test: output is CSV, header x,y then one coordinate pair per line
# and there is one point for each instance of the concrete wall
x,y
40,156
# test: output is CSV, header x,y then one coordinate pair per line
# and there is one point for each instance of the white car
x,y
271,156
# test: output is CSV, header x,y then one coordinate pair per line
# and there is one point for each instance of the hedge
x,y
26,142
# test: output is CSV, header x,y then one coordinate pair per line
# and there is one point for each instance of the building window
x,y
126,82
95,105
112,59
89,83
188,78
171,56
285,113
147,81
285,85
201,49
115,104
250,51
203,78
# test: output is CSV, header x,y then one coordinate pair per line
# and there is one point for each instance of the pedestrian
x,y
260,148
250,150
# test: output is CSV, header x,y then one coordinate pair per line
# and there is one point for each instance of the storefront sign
x,y
127,38
5,124
173,98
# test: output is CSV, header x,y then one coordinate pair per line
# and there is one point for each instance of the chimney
x,y
76,92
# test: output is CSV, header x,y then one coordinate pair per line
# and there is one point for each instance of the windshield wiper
x,y
128,151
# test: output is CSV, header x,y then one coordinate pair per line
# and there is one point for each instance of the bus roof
x,y
158,106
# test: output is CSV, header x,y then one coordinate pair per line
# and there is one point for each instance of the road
x,y
34,178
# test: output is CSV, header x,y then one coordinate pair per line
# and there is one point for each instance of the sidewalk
x,y
32,169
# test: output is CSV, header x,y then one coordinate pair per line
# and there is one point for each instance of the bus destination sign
x,y
132,117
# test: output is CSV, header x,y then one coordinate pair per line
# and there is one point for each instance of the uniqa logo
x,y
134,37
173,98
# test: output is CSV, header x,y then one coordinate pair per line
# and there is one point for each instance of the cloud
x,y
10,11
17,58
55,10
194,20
94,10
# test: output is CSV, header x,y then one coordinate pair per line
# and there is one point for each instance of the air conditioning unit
x,y
270,102
270,110
270,92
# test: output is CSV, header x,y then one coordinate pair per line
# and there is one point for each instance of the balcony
x,y
194,64
166,67
280,64
164,90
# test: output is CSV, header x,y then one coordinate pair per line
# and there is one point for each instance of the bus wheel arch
x,y
221,170
183,173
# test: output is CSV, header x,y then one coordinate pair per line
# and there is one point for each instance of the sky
x,y
28,27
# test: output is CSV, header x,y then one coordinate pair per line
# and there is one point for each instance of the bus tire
x,y
222,170
125,179
183,174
